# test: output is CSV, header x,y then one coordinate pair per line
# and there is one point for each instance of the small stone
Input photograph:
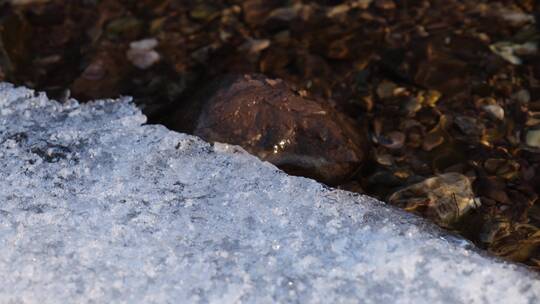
x,y
504,168
469,125
386,89
411,106
255,11
432,140
509,51
255,46
103,74
94,71
431,97
383,158
345,7
522,96
516,18
385,4
444,198
533,119
141,53
145,44
494,111
338,10
285,13
393,140
202,12
533,138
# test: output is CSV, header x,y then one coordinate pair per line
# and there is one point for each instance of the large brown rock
x,y
267,118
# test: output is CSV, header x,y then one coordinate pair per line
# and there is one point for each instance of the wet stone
x,y
266,117
444,198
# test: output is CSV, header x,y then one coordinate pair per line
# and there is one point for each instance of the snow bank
x,y
96,207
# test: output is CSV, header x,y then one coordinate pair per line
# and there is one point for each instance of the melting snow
x,y
97,207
